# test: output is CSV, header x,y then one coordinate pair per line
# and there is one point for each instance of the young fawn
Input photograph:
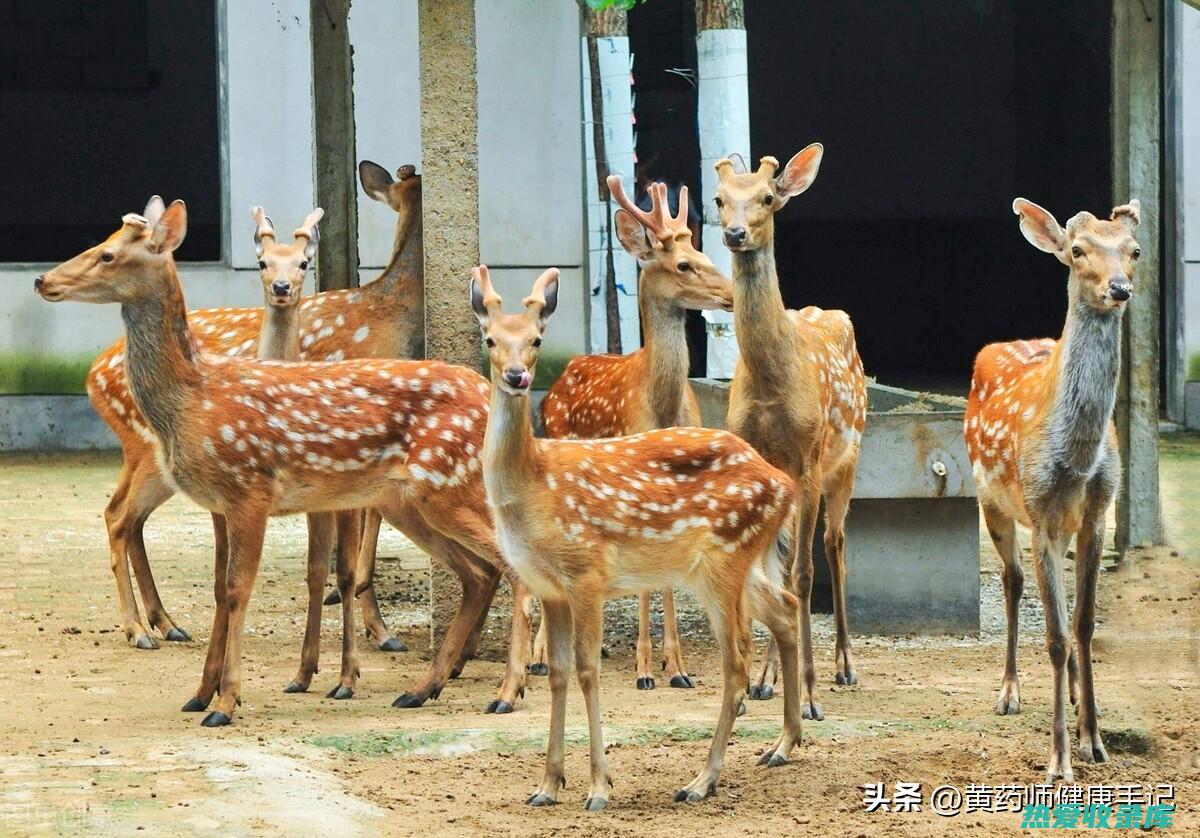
x,y
1042,442
601,396
798,395
584,521
248,439
384,318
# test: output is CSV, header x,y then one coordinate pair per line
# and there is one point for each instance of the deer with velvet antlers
x,y
247,439
1042,442
799,395
601,396
581,521
382,319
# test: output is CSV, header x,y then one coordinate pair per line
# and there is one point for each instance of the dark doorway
x,y
934,117
102,105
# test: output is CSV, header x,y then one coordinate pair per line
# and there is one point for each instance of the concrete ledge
x,y
52,423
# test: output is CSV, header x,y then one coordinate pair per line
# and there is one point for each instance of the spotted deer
x,y
798,394
1042,442
601,396
582,521
248,439
384,318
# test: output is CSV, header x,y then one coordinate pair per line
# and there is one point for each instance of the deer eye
x,y
537,341
718,202
1137,251
262,266
683,267
1077,251
304,265
107,256
491,344
768,199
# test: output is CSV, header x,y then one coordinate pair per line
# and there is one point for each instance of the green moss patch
x,y
29,373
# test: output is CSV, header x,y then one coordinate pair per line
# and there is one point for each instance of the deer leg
x,y
779,610
214,658
645,678
471,645
1003,531
116,522
672,649
513,684
1049,550
837,502
588,614
557,615
149,493
246,529
320,542
807,504
349,529
1088,545
726,616
538,665
377,629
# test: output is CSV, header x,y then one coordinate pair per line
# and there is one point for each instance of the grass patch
x,y
1128,741
1193,367
29,373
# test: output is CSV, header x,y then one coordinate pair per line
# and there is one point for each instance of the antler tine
x,y
264,225
491,300
680,219
308,227
652,221
538,294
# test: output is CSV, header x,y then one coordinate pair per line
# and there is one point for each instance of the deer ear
x,y
551,292
1041,229
170,230
738,163
375,180
477,304
633,236
800,171
154,210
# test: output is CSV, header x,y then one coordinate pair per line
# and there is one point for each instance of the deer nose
x,y
1120,290
518,379
281,288
38,282
735,236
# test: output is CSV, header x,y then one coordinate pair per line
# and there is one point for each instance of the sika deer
x,y
798,395
248,439
583,521
601,396
1043,445
384,318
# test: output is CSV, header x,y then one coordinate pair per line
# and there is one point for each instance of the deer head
x,y
673,271
282,267
128,266
748,201
513,339
400,194
1101,254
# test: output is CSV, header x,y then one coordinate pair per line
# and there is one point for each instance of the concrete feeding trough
x,y
912,535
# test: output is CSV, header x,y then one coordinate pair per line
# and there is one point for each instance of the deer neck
x,y
405,270
279,338
1085,386
766,336
666,361
509,450
161,359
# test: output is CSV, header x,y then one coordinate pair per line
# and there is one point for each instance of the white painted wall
x,y
1190,33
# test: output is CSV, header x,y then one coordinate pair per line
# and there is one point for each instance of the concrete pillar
x,y
1137,163
335,179
450,201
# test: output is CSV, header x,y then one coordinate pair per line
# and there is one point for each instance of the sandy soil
x,y
95,742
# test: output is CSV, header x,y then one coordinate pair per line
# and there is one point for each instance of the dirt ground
x,y
94,741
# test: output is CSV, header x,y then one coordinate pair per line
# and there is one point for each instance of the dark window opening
x,y
101,106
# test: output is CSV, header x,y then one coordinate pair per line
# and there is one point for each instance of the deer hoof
x,y
178,635
689,796
340,692
499,706
408,700
742,709
334,598
216,719
296,687
762,692
195,705
812,710
682,682
595,804
846,680
539,669
772,759
645,683
145,641
392,644
540,799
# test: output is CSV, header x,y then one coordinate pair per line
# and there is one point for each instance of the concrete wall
x,y
531,201
1190,32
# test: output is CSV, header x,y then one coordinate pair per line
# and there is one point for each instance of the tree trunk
x,y
720,14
